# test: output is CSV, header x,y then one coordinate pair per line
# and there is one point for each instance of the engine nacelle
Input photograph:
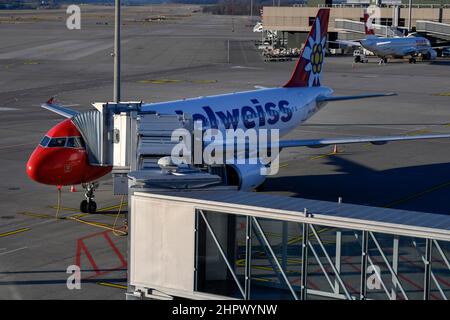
x,y
246,176
431,55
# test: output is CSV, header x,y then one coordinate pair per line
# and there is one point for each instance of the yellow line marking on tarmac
x,y
418,194
99,210
77,218
158,81
322,156
112,285
31,62
417,132
65,208
204,81
112,207
98,225
328,154
79,215
283,165
9,233
170,81
442,94
112,215
37,215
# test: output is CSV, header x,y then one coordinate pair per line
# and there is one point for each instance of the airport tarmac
x,y
186,56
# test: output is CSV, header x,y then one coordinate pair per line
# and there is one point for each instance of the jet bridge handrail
x,y
330,217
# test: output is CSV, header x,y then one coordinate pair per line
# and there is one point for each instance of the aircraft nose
x,y
34,166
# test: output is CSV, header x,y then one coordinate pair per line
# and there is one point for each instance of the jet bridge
x,y
434,29
351,30
221,244
437,32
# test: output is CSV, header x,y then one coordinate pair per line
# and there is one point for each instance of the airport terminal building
x,y
292,23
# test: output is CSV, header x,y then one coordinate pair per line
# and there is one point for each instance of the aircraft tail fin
x,y
368,28
309,66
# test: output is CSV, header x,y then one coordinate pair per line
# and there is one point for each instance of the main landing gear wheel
x,y
84,206
89,205
383,61
412,60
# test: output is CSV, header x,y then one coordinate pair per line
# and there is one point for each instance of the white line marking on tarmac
x,y
18,145
15,250
7,109
243,67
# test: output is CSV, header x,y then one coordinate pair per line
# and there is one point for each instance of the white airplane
x,y
282,108
395,47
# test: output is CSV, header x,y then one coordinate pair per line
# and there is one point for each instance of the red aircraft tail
x,y
368,28
309,66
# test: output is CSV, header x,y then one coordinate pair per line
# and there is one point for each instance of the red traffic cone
x,y
335,149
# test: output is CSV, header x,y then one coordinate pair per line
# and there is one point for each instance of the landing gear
x,y
412,60
89,205
383,61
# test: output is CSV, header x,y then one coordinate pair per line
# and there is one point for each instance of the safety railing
x,y
251,257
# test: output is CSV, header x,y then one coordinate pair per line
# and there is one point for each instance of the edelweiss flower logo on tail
x,y
314,53
310,64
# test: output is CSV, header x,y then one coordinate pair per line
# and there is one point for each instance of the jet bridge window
x,y
75,142
57,142
44,141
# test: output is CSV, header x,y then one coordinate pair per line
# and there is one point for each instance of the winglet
x,y
51,100
62,111
309,66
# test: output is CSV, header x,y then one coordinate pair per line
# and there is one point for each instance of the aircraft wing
x,y
441,45
63,111
319,143
376,140
348,43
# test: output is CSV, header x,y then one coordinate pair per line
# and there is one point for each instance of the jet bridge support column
x,y
364,259
303,279
427,274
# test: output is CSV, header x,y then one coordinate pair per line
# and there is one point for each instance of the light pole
x,y
410,16
116,94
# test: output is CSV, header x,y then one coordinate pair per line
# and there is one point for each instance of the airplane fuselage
x,y
274,108
398,47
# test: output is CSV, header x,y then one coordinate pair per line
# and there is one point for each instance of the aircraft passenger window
x,y
44,141
57,142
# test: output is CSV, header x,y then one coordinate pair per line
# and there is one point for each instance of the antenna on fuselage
x,y
116,97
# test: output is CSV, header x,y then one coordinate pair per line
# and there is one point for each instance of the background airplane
x,y
393,47
62,157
